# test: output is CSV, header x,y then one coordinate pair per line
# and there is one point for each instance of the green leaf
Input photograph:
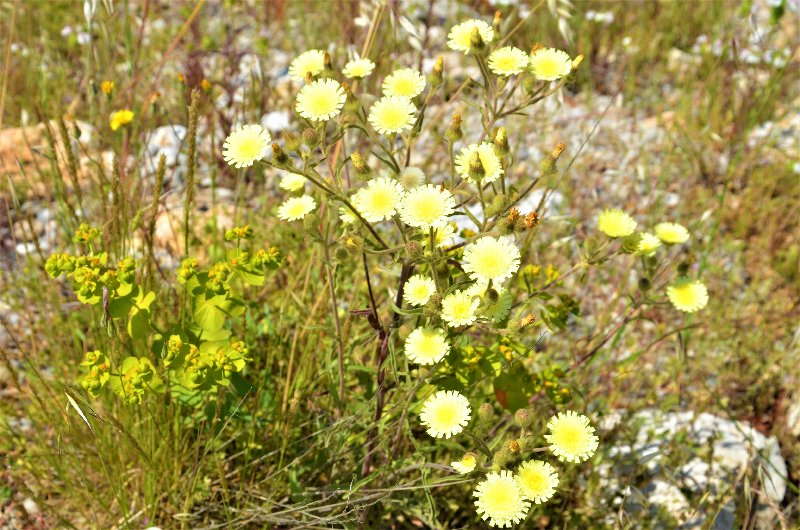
x,y
513,388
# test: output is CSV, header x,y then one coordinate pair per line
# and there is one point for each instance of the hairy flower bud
x,y
292,142
414,250
513,446
498,17
454,133
485,412
475,40
360,165
310,138
437,74
279,157
532,220
353,243
476,169
523,418
630,244
501,457
501,142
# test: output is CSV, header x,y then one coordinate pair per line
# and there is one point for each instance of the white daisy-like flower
x,y
378,201
320,100
292,182
460,36
358,68
465,465
538,480
312,61
245,145
445,413
296,208
426,346
491,259
492,167
571,437
672,233
549,64
411,177
458,309
392,114
418,290
500,500
405,82
507,61
427,207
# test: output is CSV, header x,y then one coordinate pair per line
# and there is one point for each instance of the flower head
x,y
458,309
427,206
312,61
460,36
107,87
358,68
648,243
320,100
411,177
500,500
508,61
296,208
120,118
465,465
245,145
405,82
615,223
571,437
549,64
490,258
492,167
538,480
426,345
378,201
445,413
688,295
418,290
392,114
347,216
672,233
292,182
442,236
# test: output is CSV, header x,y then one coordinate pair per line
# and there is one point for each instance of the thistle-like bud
x,y
630,244
326,61
475,40
292,142
279,157
351,103
310,138
309,78
576,62
523,418
485,413
644,284
498,17
536,47
340,254
352,243
526,321
454,133
360,165
513,447
311,223
414,250
502,457
437,74
557,151
532,220
501,142
476,170
492,295
530,85
497,205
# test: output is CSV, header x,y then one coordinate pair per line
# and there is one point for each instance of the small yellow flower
x,y
296,208
492,167
392,114
538,480
571,437
107,87
616,223
320,100
292,182
466,464
549,64
648,244
378,201
500,500
508,61
445,413
120,118
688,295
427,207
418,290
312,61
491,259
405,82
205,85
426,346
460,36
458,309
358,68
672,233
245,145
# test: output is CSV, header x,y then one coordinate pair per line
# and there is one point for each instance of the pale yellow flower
x,y
392,114
491,259
460,36
571,437
292,182
312,61
465,465
445,413
245,145
358,68
418,290
672,233
320,100
379,199
426,346
296,208
405,82
427,207
688,295
458,309
538,480
492,167
508,61
500,500
616,223
549,64
648,243
411,177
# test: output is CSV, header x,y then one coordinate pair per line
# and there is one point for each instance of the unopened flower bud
x,y
526,321
497,205
498,17
523,418
353,243
279,157
475,40
351,103
326,61
414,250
630,244
576,62
485,412
532,220
644,284
492,295
310,138
501,457
311,222
476,170
292,142
513,447
360,165
557,151
501,142
437,74
454,133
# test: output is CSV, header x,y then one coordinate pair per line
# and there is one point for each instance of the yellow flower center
x,y
393,117
403,87
548,66
500,497
446,414
321,103
533,479
248,148
685,294
569,437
